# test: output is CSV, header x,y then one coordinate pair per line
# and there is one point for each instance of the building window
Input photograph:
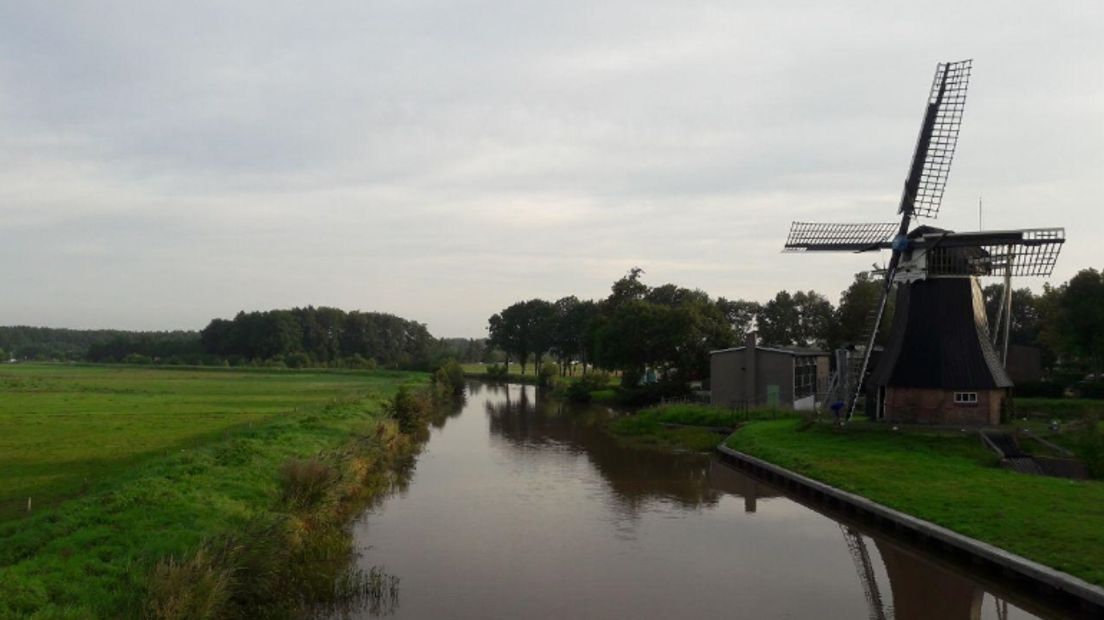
x,y
805,376
965,398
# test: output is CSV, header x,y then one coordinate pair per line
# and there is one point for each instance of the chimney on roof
x,y
750,379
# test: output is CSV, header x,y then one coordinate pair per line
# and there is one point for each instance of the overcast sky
x,y
165,163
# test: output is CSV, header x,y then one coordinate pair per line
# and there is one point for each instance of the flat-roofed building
x,y
756,375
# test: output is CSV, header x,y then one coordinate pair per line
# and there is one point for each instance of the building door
x,y
773,395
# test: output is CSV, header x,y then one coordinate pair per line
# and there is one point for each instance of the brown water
x,y
521,507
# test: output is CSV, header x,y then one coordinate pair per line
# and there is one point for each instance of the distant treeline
x,y
300,337
60,344
321,337
671,329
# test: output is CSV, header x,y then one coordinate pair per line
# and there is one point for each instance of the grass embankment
x,y
1058,408
951,480
130,467
684,426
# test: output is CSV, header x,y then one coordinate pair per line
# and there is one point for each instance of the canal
x,y
522,507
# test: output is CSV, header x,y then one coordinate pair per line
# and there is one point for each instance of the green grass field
x,y
951,480
128,465
65,429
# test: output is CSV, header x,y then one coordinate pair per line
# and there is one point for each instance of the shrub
x,y
1089,445
408,408
304,483
359,362
595,380
577,391
136,358
450,377
496,372
1039,389
1089,388
297,360
651,394
547,374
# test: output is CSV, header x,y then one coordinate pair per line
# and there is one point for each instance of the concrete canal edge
x,y
1089,595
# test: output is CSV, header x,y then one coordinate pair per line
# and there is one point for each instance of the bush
x,y
547,374
645,395
1089,445
304,483
360,363
496,372
1039,389
1089,388
136,358
450,377
408,408
297,360
577,391
595,380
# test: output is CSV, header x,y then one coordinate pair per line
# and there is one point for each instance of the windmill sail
x,y
931,165
825,237
1030,252
935,148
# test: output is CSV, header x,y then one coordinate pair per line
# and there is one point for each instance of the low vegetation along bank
x,y
684,426
180,494
948,479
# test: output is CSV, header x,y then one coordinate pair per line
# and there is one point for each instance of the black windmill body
x,y
941,363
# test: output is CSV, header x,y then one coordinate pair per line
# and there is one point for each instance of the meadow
x,y
126,466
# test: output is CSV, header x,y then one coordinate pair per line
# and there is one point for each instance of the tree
x,y
540,328
740,315
567,332
628,288
1025,313
1081,316
778,320
857,304
805,318
668,328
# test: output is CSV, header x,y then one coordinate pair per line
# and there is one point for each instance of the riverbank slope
x,y
948,479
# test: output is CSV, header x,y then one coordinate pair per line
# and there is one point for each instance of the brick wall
x,y
928,406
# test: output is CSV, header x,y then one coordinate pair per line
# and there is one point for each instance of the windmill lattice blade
x,y
1030,252
935,148
825,237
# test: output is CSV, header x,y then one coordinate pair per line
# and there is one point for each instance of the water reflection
x,y
522,507
635,476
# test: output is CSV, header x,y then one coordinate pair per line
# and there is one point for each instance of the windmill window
x,y
965,398
805,376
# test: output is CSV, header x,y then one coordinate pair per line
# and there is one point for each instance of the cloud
x,y
165,163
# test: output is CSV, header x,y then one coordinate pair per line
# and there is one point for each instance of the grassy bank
x,y
129,467
1058,408
951,480
683,426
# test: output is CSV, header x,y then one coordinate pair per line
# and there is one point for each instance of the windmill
x,y
940,364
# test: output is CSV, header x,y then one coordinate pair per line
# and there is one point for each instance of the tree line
x,y
671,329
321,337
299,337
23,342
